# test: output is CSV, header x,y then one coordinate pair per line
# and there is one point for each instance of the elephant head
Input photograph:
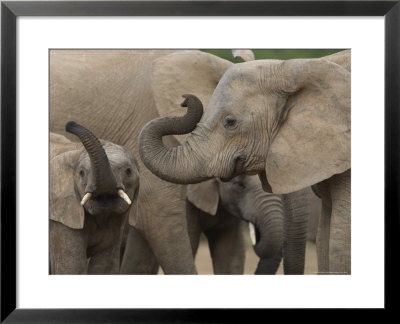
x,y
288,121
100,178
244,198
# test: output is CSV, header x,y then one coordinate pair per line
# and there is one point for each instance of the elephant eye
x,y
128,171
230,122
82,173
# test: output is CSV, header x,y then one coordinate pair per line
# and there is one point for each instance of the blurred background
x,y
203,259
276,54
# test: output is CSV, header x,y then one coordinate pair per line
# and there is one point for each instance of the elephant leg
x,y
67,250
323,232
295,232
162,220
193,215
138,257
172,247
227,247
340,230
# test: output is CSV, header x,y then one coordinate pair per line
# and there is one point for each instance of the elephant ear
x,y
184,72
58,138
342,58
245,54
204,195
64,204
313,141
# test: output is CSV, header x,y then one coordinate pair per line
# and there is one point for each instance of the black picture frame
x,y
10,10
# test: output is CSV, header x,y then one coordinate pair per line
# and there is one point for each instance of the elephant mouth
x,y
237,169
106,201
106,204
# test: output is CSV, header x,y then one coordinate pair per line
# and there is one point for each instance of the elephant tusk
x,y
124,196
85,198
252,233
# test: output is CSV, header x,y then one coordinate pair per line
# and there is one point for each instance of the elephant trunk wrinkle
x,y
104,179
295,232
270,241
172,163
269,223
201,131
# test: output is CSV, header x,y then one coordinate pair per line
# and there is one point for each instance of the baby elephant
x,y
221,207
93,187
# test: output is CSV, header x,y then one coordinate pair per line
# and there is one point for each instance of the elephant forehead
x,y
238,92
117,155
245,74
242,104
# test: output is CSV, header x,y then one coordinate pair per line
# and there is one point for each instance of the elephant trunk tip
x,y
71,126
190,101
169,163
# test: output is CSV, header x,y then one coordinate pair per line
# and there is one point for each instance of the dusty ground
x,y
204,266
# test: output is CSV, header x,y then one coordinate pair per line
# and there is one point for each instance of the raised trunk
x,y
174,164
104,180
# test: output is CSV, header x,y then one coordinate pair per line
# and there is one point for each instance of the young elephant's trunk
x,y
174,164
266,212
104,179
269,227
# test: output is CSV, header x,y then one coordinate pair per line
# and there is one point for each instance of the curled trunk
x,y
269,265
171,163
269,229
269,234
104,179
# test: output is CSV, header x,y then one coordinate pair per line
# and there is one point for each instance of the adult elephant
x,y
110,92
288,121
219,208
93,188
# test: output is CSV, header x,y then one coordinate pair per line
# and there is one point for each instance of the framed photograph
x,y
46,44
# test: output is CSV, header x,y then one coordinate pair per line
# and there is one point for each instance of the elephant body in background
x,y
93,188
225,238
287,121
109,91
219,209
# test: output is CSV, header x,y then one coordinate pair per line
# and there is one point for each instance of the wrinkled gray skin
x,y
110,92
288,121
219,208
298,212
244,198
281,221
315,213
302,206
97,230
